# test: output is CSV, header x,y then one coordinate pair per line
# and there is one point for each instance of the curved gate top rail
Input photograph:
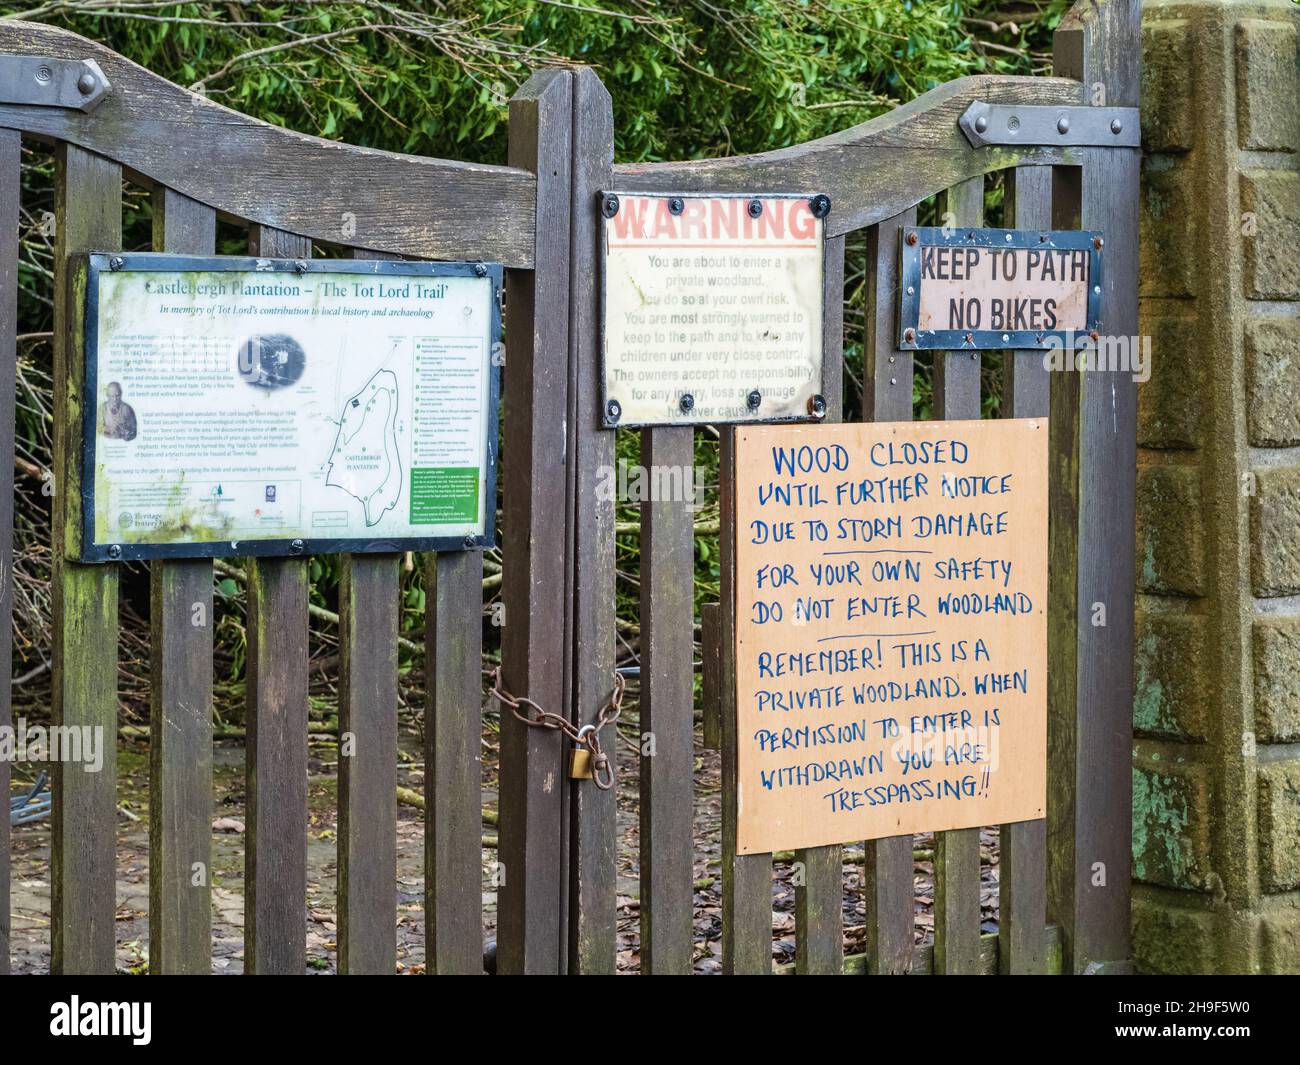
x,y
253,170
879,168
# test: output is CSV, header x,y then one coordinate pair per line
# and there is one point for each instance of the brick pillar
x,y
1216,713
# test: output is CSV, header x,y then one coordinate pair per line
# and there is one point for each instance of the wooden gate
x,y
293,194
1064,882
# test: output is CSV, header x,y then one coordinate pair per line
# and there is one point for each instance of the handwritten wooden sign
x,y
890,629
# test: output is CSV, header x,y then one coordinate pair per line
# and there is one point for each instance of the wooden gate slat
x,y
818,914
275,861
532,903
369,600
667,707
180,706
1093,470
746,878
593,895
10,204
957,853
1022,854
887,381
88,215
453,763
367,838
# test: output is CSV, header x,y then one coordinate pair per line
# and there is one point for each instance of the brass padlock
x,y
580,757
580,763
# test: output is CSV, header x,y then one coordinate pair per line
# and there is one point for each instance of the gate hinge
x,y
76,84
1038,125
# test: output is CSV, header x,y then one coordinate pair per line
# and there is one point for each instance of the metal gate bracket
x,y
1037,125
76,84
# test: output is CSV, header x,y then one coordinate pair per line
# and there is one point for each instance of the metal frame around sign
x,y
911,338
608,203
101,262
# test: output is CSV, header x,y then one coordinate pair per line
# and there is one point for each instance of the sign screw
x,y
969,338
686,403
613,410
470,543
753,400
1063,125
480,269
909,337
981,123
300,266
912,238
820,205
755,208
1117,127
116,262
86,84
893,380
609,206
676,206
817,406
1097,242
1094,336
296,547
115,551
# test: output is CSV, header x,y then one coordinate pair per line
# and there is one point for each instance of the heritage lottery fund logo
x,y
74,1017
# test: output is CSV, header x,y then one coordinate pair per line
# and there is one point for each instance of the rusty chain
x,y
585,736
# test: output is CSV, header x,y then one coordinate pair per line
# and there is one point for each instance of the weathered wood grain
x,y
818,916
1022,852
369,593
10,203
667,706
878,169
887,396
453,763
275,767
1091,518
746,878
532,902
957,853
180,702
330,192
88,214
711,676
593,812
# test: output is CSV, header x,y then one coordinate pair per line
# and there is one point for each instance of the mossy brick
x,y
1270,202
1167,86
1275,532
1276,660
1167,249
1279,941
1273,381
1171,823
1169,540
1170,695
1170,404
1171,940
1268,111
1279,825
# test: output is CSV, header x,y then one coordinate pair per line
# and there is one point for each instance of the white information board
x,y
246,406
712,308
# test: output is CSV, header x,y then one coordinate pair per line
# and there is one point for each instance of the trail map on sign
x,y
237,406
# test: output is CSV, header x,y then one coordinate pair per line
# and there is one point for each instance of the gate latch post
x,y
36,81
1040,125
